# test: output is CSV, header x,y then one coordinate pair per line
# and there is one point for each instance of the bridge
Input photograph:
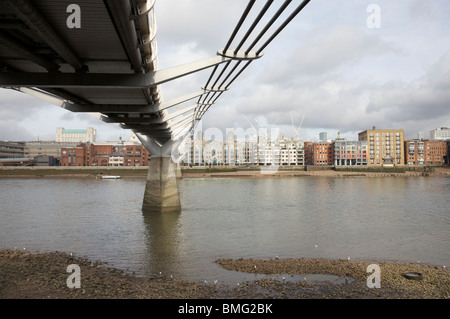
x,y
100,56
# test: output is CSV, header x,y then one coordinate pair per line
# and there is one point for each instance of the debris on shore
x,y
26,275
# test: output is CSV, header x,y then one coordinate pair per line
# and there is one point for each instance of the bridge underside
x,y
107,65
104,67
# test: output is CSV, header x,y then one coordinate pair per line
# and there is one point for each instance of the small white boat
x,y
111,177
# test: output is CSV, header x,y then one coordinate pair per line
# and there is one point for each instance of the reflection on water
x,y
403,219
163,242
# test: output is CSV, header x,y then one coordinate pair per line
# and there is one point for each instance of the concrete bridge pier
x,y
178,170
161,189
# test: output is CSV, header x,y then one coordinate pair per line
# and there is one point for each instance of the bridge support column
x,y
161,189
178,170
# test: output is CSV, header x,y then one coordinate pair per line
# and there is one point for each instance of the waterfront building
x,y
12,149
350,153
267,152
448,151
426,152
73,156
385,146
105,154
319,153
13,154
213,153
46,148
88,135
197,150
232,152
291,152
30,153
251,152
45,160
442,133
187,150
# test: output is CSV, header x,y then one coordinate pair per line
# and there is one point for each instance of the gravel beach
x,y
34,275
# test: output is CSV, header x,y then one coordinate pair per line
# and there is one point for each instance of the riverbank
x,y
267,173
79,172
263,172
27,275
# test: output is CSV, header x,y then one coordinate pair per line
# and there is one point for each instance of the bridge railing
x,y
222,76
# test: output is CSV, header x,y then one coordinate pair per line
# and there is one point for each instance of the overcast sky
x,y
327,71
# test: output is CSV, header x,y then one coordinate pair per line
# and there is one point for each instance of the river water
x,y
389,218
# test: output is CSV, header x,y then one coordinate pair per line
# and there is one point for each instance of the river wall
x,y
237,172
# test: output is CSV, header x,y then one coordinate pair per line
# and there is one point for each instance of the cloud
x,y
425,98
24,117
199,22
326,67
13,111
15,108
13,132
421,11
328,50
333,101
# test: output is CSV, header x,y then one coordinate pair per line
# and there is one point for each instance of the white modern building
x,y
291,152
88,135
442,133
255,151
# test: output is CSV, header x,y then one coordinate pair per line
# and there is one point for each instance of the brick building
x,y
426,152
319,153
385,146
73,156
350,153
105,155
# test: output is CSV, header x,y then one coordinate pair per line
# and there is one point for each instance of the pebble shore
x,y
27,275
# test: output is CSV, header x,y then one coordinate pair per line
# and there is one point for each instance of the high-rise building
x,y
442,133
88,135
385,146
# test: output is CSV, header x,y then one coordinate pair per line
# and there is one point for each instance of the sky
x,y
337,67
